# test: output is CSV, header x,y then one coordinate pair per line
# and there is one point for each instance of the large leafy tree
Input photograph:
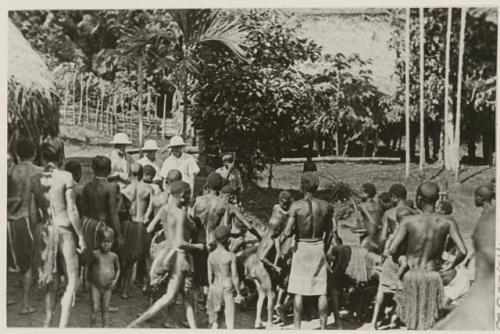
x,y
350,107
479,69
256,109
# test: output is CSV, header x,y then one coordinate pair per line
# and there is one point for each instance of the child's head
x,y
25,149
398,192
106,237
214,182
181,190
385,200
368,191
221,234
444,208
101,166
285,200
75,169
136,171
149,172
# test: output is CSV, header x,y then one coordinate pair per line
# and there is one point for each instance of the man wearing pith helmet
x,y
183,162
150,148
120,159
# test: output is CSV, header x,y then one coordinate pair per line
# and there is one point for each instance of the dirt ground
x,y
258,202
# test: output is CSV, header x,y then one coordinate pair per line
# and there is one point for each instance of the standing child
x,y
222,279
104,270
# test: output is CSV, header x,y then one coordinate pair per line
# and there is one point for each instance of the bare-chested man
x,y
480,297
426,235
54,211
388,280
172,263
310,220
138,193
100,201
371,217
20,229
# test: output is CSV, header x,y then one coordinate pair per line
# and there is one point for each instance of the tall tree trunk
x,y
185,101
422,112
463,12
270,177
448,119
141,121
407,93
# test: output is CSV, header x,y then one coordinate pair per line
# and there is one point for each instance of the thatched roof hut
x,y
33,105
365,31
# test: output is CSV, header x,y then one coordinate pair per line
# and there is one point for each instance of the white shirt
x,y
186,164
145,161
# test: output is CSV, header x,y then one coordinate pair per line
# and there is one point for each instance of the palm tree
x,y
139,43
201,28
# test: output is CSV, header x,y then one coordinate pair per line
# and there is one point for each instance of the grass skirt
x,y
421,299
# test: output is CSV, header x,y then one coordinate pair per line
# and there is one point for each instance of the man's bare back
x,y
50,191
143,196
427,235
21,177
99,200
312,218
371,216
209,210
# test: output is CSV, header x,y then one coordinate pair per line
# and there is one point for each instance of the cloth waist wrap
x,y
90,229
168,261
47,238
20,243
133,233
421,299
308,272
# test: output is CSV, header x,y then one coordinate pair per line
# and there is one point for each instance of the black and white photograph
x,y
251,168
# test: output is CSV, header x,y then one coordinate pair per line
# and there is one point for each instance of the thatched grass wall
x,y
362,31
33,106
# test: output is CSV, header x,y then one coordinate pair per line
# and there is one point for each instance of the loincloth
x,y
20,240
215,300
200,267
421,299
90,229
389,276
167,262
308,272
133,241
48,241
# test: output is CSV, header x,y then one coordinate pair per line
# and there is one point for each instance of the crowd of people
x,y
136,221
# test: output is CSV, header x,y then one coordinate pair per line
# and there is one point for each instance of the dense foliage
x,y
479,73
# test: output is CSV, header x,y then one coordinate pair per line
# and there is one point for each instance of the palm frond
x,y
211,28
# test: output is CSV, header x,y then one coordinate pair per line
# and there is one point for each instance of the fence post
x,y
74,97
87,99
164,115
81,101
